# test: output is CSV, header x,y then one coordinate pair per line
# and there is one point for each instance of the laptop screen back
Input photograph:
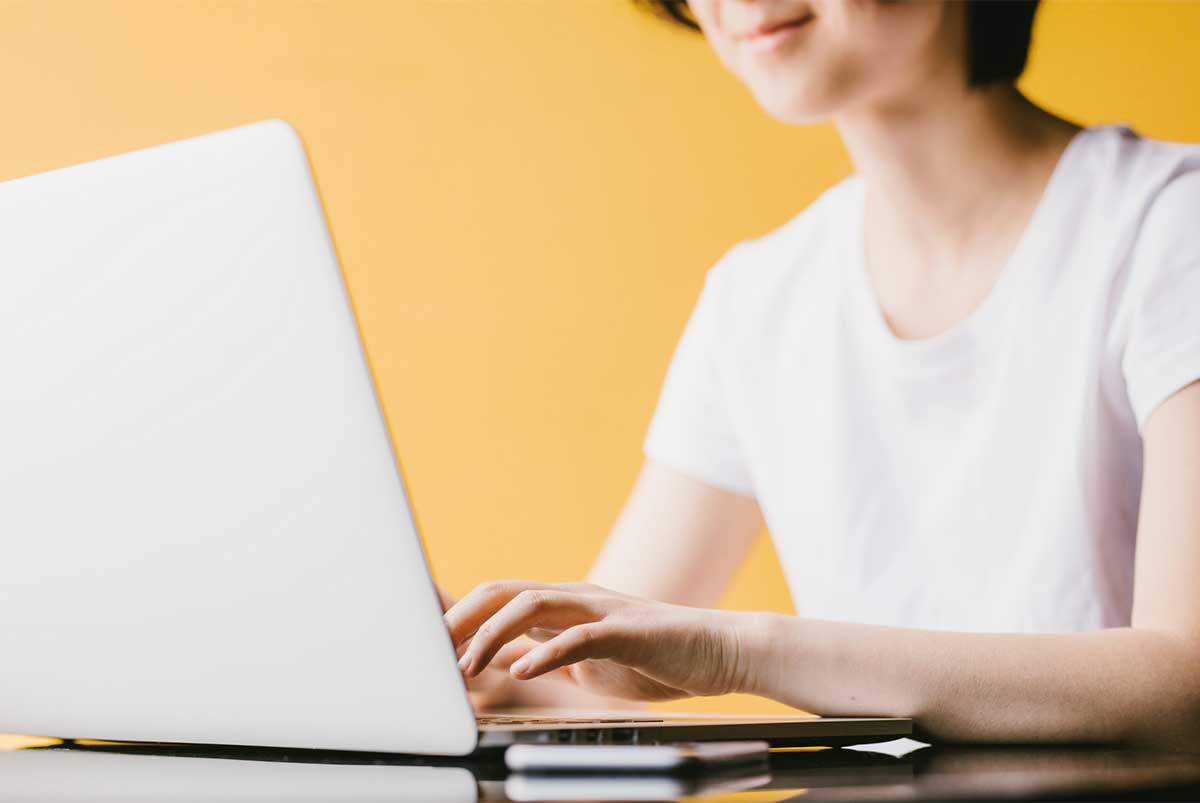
x,y
204,536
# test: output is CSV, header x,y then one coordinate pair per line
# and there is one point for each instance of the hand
x,y
494,688
605,642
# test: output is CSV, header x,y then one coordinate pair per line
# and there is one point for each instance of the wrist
x,y
757,637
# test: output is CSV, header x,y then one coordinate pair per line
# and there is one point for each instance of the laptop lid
x,y
204,536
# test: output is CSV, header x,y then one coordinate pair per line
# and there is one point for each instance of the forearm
x,y
677,539
1110,685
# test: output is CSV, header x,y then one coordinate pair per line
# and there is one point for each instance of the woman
x,y
960,388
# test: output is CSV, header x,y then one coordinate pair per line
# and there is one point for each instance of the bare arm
x,y
677,539
1140,683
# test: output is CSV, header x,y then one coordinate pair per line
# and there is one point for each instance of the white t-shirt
x,y
985,479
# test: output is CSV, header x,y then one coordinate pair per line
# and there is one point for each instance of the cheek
x,y
891,41
811,81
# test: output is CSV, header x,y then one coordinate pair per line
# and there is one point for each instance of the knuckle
x,y
504,588
587,635
532,599
493,587
481,592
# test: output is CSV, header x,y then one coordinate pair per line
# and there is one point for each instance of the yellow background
x,y
525,195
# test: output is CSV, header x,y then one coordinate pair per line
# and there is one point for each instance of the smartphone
x,y
683,758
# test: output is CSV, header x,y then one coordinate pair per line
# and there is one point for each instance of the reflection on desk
x,y
211,774
59,776
632,787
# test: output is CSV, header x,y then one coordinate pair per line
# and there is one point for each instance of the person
x,y
960,388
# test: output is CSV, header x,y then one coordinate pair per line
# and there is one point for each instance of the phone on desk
x,y
684,758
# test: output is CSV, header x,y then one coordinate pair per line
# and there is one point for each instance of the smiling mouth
x,y
767,39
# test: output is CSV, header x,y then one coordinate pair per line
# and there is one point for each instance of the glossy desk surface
x,y
212,774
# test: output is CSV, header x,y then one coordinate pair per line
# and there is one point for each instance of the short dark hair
x,y
998,34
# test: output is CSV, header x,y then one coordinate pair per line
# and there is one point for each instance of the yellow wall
x,y
525,195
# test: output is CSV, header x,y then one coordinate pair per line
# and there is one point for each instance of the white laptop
x,y
204,536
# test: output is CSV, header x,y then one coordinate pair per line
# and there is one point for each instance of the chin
x,y
797,105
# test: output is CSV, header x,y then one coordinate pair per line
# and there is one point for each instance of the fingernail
x,y
464,662
520,666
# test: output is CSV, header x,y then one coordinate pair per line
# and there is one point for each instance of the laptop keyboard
x,y
506,719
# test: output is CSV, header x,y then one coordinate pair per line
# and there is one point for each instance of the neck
x,y
950,158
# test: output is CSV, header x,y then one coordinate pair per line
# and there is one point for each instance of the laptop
x,y
204,534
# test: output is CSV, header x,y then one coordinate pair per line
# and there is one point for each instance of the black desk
x,y
223,775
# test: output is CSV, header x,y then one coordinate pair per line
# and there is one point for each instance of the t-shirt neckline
x,y
947,341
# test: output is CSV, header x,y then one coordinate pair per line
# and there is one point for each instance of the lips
x,y
772,37
768,28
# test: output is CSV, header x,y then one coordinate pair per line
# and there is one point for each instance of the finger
x,y
528,609
490,690
446,600
543,633
466,615
591,640
500,691
462,648
512,652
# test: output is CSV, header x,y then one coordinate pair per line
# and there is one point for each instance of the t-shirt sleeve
x,y
1162,353
692,430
